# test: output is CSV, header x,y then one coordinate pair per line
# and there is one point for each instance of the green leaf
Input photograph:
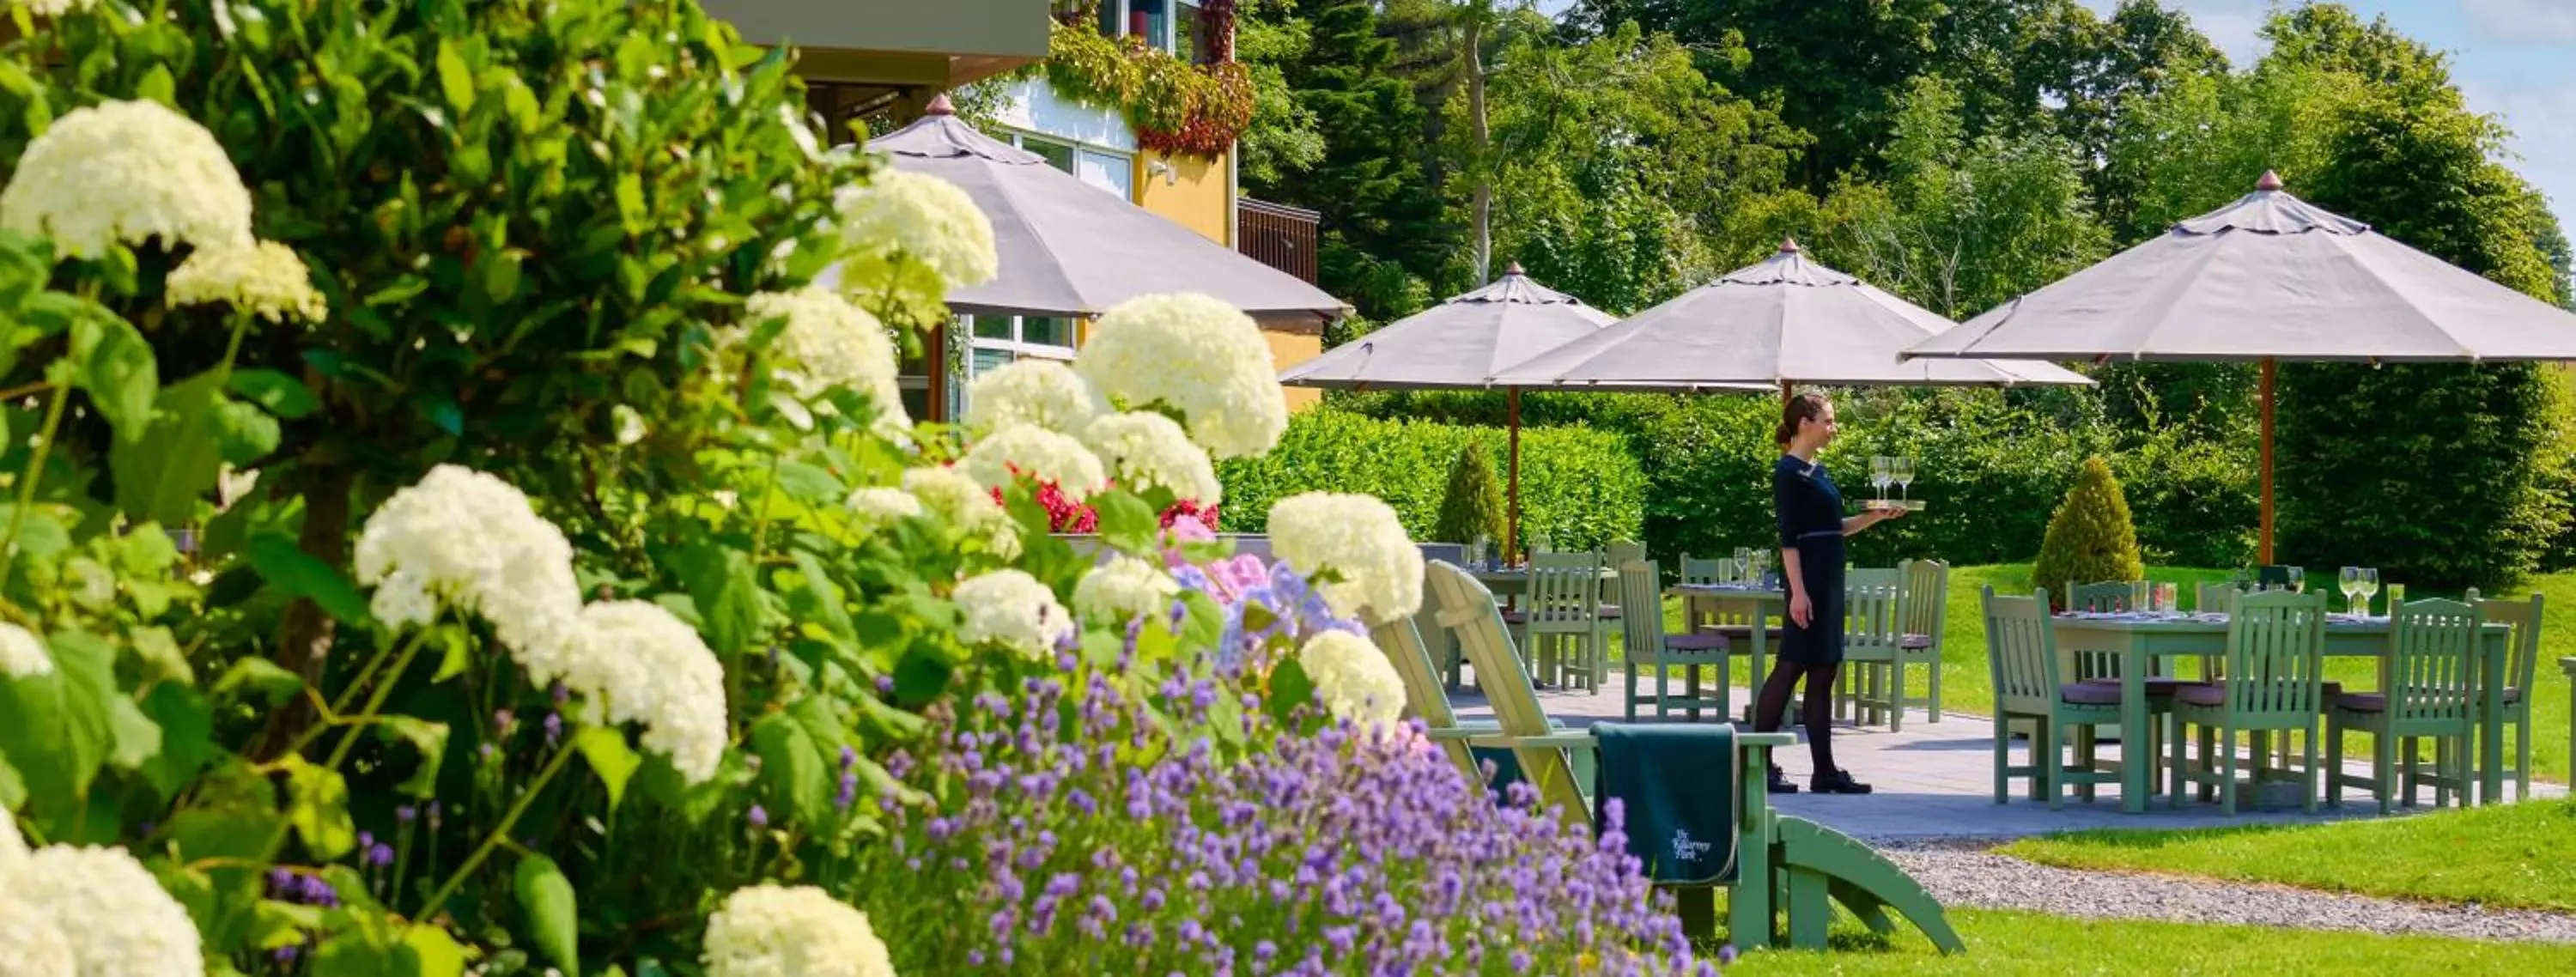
x,y
162,471
1290,688
500,274
630,200
726,593
13,788
439,955
187,736
553,922
455,80
282,395
459,653
792,765
809,484
819,601
157,86
261,677
922,675
318,807
114,365
137,739
430,739
299,574
244,433
614,761
1125,519
55,727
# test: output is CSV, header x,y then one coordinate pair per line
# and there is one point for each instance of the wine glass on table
x,y
2298,579
2368,585
2349,580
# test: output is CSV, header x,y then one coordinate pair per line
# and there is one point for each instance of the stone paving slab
x,y
1936,780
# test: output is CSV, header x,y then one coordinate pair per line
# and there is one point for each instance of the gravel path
x,y
1962,874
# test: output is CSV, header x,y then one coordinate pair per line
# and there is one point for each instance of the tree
x,y
2090,538
1283,140
1472,508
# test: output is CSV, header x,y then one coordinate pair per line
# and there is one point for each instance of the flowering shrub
x,y
1112,844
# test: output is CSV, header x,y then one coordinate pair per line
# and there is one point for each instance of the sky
x,y
2515,59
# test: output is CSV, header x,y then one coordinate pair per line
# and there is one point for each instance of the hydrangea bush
x,y
455,522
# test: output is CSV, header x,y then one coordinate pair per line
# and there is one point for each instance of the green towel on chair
x,y
1676,784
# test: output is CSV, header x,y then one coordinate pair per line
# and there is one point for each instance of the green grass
x,y
2032,943
2507,855
1966,686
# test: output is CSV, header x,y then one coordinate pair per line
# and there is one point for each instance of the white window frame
x,y
1020,139
1168,43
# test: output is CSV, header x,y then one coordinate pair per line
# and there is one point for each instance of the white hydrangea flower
x,y
1039,393
30,944
923,217
1197,355
115,916
1041,454
834,344
1353,678
1011,609
947,495
876,507
637,663
1124,589
1358,537
471,540
780,931
1144,449
22,654
267,280
131,172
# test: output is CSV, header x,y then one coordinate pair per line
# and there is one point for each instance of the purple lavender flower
x,y
561,693
366,840
380,855
406,813
501,720
885,685
554,728
759,816
434,809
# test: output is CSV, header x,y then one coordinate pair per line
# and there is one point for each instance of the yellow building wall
x,y
1288,349
1193,194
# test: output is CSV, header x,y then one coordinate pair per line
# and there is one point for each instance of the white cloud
x,y
2522,21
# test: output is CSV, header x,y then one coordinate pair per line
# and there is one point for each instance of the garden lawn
x,y
2033,943
2521,855
1966,687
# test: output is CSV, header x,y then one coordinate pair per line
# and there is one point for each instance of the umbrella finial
x,y
1515,269
2270,181
1788,245
939,105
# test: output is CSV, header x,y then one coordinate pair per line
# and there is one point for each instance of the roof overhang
x,y
936,46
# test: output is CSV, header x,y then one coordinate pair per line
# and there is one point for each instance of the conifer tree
x,y
1473,505
2090,538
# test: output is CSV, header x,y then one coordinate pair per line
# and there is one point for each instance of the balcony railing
x,y
1277,235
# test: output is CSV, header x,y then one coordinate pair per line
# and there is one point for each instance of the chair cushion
x,y
1703,641
1914,642
1516,617
2090,693
2215,693
2158,686
1741,630
2362,702
2512,694
1607,611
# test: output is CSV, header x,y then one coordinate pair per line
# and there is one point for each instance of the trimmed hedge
x,y
1580,487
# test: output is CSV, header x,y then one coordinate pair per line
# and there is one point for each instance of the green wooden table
x,y
2141,641
1759,605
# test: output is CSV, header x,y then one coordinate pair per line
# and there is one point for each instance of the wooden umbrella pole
x,y
1512,519
2263,547
1786,395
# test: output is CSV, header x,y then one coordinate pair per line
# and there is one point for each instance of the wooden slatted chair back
x,y
2021,652
2524,616
1640,587
1467,610
1873,612
1424,696
2430,674
2276,656
1927,592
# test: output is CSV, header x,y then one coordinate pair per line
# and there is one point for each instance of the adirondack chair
x,y
1424,697
2428,689
2030,685
1873,684
1927,614
1783,863
2519,672
2275,667
1649,647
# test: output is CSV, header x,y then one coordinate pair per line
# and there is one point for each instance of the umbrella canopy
x,y
1787,320
1067,249
2268,277
1457,344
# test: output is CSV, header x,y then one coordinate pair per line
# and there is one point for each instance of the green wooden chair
x,y
2215,595
2031,685
1424,697
1784,863
2519,672
1559,627
2274,684
1873,681
2428,689
1649,647
1927,614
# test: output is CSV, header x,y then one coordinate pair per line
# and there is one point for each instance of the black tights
x,y
1774,700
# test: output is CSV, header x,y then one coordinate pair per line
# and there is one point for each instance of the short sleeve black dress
x,y
1811,524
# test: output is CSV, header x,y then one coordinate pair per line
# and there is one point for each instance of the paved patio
x,y
1937,780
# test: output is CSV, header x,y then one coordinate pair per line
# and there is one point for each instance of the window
x,y
1000,339
1152,20
1114,173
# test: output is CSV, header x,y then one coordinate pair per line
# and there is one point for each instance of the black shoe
x,y
1780,783
1837,782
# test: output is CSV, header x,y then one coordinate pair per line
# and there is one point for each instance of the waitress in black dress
x,y
1812,527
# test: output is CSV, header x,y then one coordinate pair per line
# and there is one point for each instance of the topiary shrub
x,y
1473,509
2089,538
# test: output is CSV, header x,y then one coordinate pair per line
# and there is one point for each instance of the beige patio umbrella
x,y
2265,279
1456,345
1782,322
